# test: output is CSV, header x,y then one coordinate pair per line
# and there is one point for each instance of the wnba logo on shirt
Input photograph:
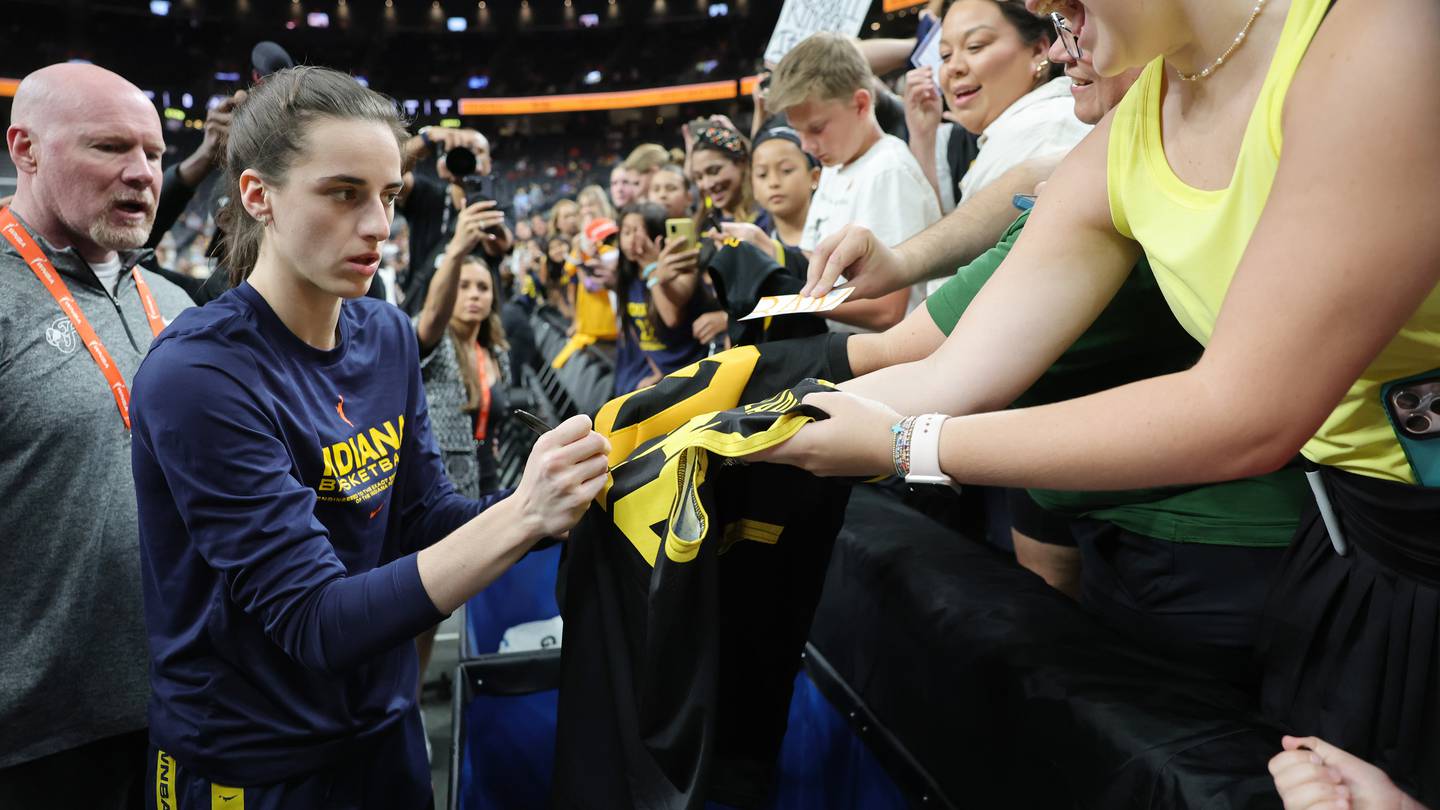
x,y
61,334
363,465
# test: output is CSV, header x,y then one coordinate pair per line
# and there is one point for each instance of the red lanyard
x,y
482,419
30,251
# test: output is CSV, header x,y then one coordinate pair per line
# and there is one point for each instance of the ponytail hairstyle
x,y
268,135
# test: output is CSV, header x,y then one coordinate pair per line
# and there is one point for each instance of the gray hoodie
x,y
72,637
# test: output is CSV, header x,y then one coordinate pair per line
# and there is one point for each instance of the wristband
x,y
903,432
924,459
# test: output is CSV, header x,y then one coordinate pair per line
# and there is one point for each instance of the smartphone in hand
x,y
680,229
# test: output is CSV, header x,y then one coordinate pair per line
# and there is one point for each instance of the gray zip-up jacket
x,y
72,637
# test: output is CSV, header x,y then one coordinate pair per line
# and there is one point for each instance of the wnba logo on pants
x,y
164,782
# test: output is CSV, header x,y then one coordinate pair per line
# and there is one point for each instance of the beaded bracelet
x,y
903,431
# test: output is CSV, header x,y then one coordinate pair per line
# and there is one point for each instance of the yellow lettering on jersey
x,y
390,438
344,459
364,452
637,512
362,457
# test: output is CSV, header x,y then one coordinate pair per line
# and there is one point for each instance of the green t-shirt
x,y
1136,337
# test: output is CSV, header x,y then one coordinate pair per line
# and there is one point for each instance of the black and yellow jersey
x,y
743,274
689,588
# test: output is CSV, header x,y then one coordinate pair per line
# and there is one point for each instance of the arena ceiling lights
x,y
615,100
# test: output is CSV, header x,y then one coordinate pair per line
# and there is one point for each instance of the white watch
x,y
925,452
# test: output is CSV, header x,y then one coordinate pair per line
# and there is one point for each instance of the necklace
x,y
1239,38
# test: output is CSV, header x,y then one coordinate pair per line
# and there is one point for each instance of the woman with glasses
x,y
1243,165
997,83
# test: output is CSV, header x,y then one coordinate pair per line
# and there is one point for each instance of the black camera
x,y
461,163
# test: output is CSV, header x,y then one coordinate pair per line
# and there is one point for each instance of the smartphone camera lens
x,y
1435,405
1417,423
1409,400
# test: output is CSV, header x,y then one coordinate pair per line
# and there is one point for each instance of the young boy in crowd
x,y
870,178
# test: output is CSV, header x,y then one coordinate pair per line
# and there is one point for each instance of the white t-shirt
x,y
1042,122
108,273
884,190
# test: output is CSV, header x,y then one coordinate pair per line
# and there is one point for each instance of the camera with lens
x,y
461,164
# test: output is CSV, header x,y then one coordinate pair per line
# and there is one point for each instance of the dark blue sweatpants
x,y
390,772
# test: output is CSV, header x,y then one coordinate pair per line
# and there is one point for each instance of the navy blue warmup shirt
x,y
283,492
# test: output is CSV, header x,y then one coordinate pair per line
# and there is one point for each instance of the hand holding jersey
x,y
854,439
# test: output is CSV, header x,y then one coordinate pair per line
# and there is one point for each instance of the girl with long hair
x,y
564,220
661,294
720,164
465,362
594,204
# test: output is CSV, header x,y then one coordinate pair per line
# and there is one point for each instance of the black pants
x,y
103,775
1195,602
1351,645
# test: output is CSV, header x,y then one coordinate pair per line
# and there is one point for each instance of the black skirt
x,y
1350,646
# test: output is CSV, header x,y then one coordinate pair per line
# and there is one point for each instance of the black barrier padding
x,y
1008,694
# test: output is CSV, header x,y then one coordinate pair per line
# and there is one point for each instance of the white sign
x,y
927,54
801,18
772,305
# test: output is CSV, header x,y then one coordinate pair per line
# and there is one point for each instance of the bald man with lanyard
x,y
77,314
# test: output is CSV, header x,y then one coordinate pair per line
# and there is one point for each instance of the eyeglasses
x,y
1067,37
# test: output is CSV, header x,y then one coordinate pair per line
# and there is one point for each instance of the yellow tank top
x,y
1194,239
